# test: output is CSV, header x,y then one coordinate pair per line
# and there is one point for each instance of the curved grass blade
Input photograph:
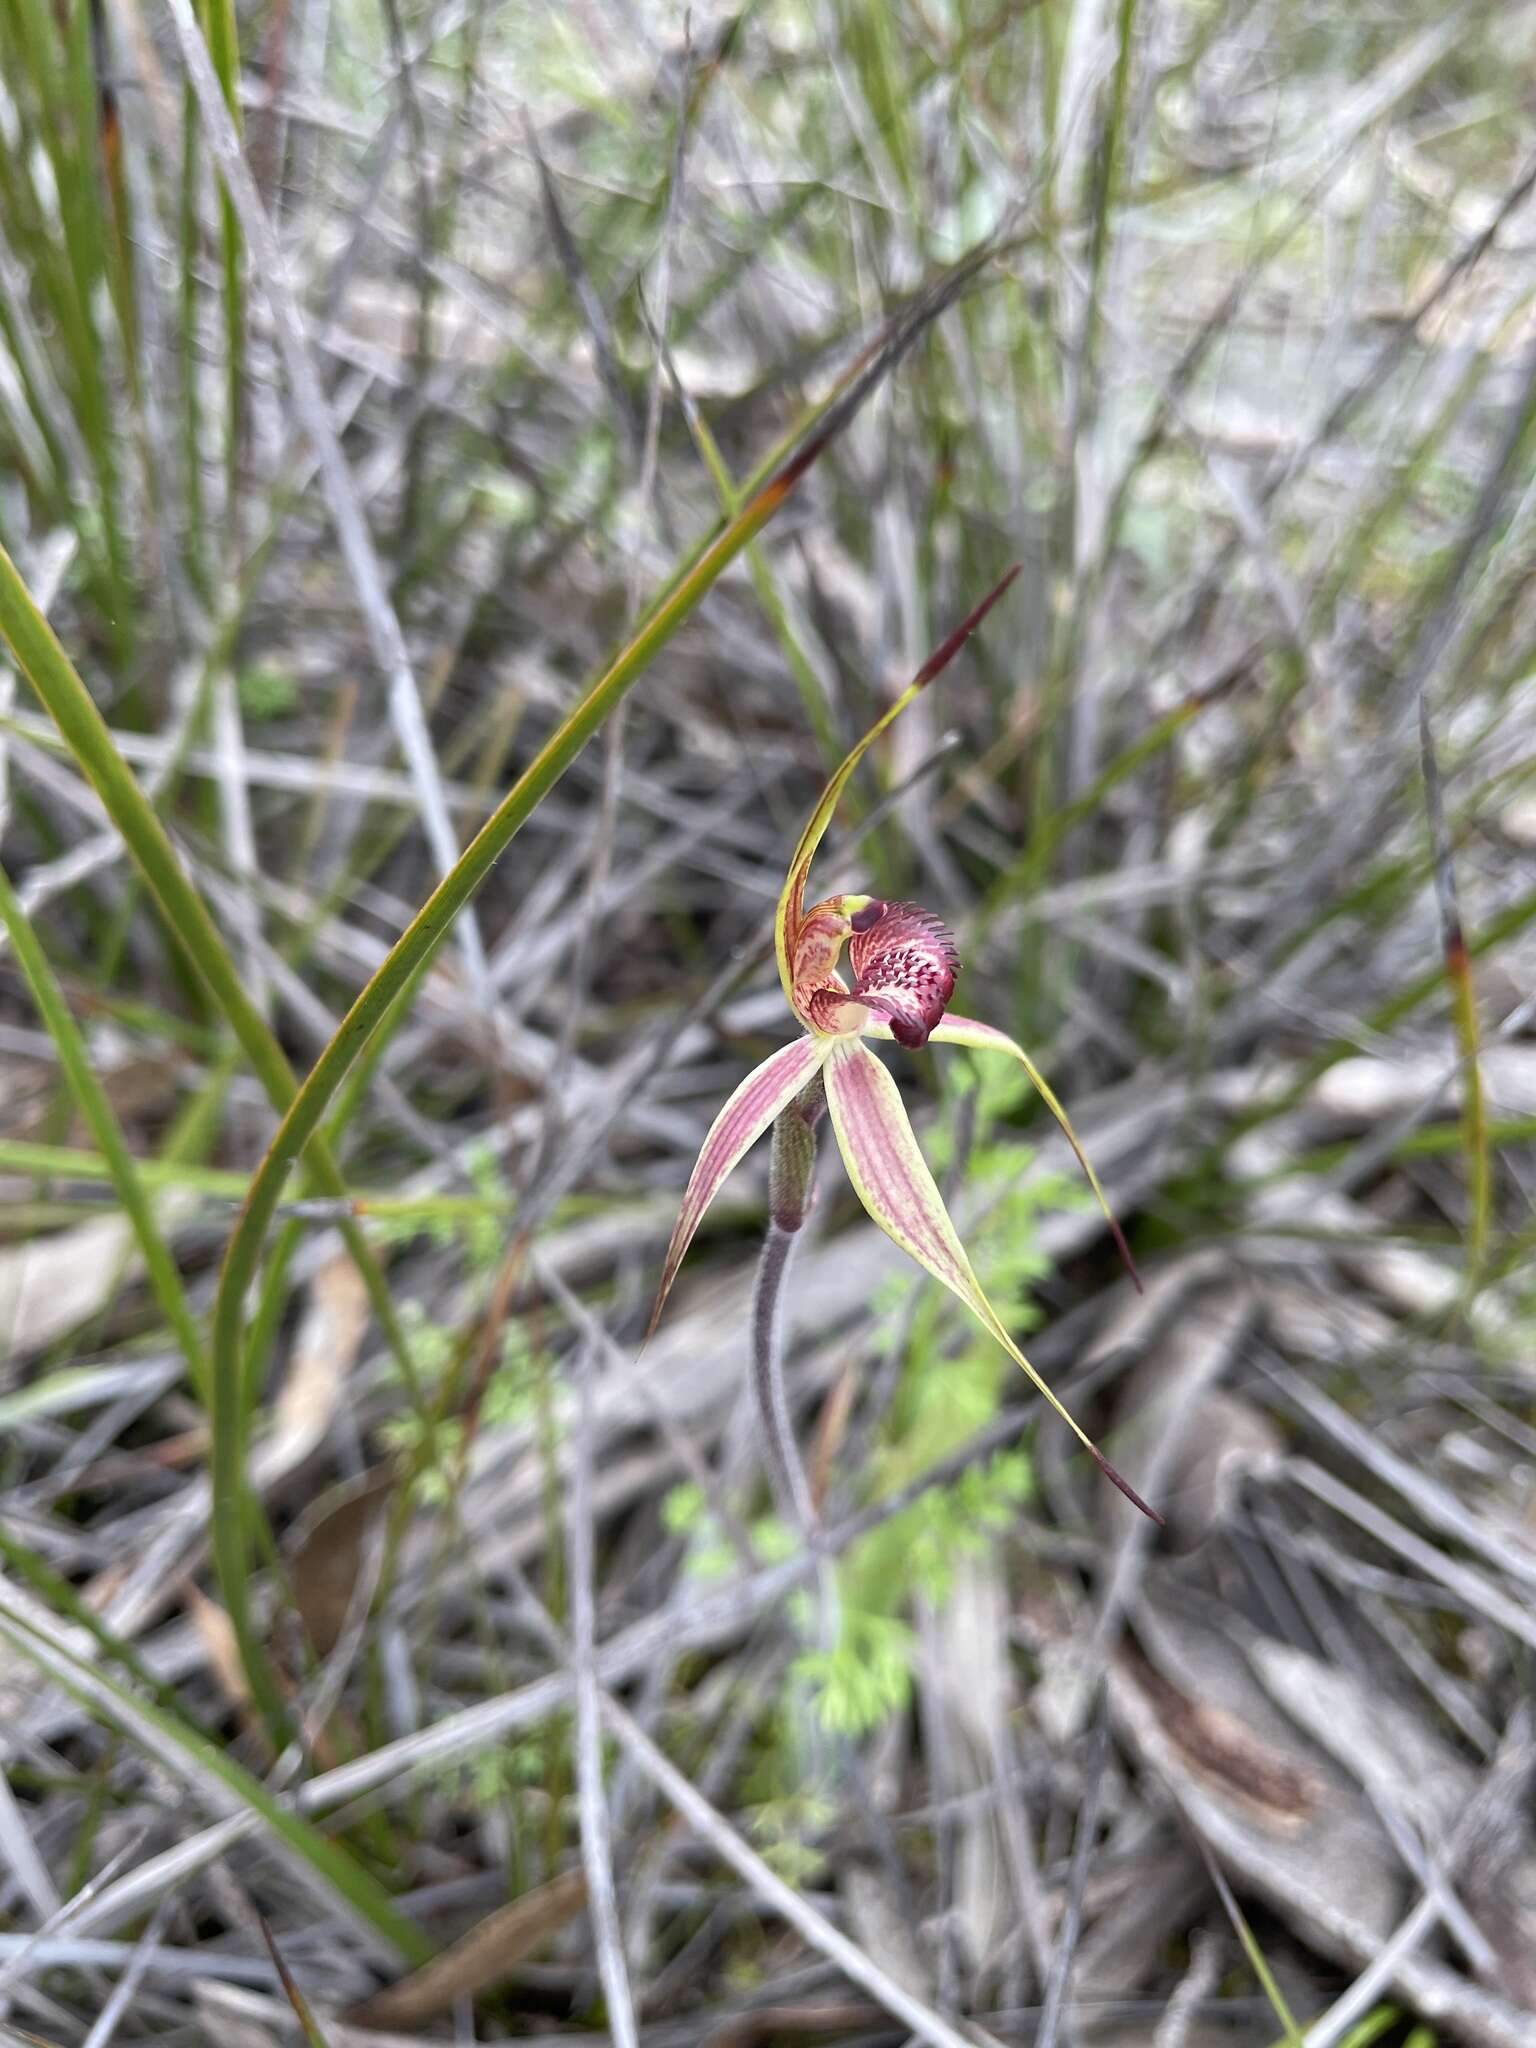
x,y
892,1180
791,901
68,1604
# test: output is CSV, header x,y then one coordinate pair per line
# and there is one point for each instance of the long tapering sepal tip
x,y
1125,1255
1125,1486
948,648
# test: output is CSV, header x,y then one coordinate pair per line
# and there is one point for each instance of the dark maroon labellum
x,y
904,963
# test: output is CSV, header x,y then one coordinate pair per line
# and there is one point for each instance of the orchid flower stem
x,y
791,1174
790,1485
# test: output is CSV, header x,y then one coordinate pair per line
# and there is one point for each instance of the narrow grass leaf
x,y
1458,975
1292,2035
198,1761
64,696
309,2026
96,1109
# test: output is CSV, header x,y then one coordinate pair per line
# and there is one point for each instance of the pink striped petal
x,y
983,1038
891,1179
767,1089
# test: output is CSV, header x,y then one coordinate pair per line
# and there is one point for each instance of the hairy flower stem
x,y
790,1175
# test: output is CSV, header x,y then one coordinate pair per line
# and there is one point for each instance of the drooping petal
x,y
766,1091
832,1009
984,1038
905,963
891,1179
791,904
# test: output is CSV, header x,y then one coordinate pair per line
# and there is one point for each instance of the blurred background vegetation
x,y
390,1650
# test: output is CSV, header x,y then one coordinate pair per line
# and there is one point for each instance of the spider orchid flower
x,y
903,965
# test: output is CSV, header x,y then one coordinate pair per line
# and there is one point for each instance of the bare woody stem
x,y
791,1171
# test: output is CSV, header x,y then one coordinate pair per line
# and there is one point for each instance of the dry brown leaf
x,y
1364,1089
1275,1789
480,1958
217,1635
50,1285
1162,1890
1222,1442
327,1342
1283,1817
878,1925
762,2022
332,1539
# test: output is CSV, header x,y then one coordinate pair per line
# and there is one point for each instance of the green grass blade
x,y
67,1604
64,696
309,2026
71,1162
190,421
198,1759
1290,2033
764,584
223,37
101,1120
415,947
1458,975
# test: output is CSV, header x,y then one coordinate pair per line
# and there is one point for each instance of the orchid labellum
x,y
902,965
